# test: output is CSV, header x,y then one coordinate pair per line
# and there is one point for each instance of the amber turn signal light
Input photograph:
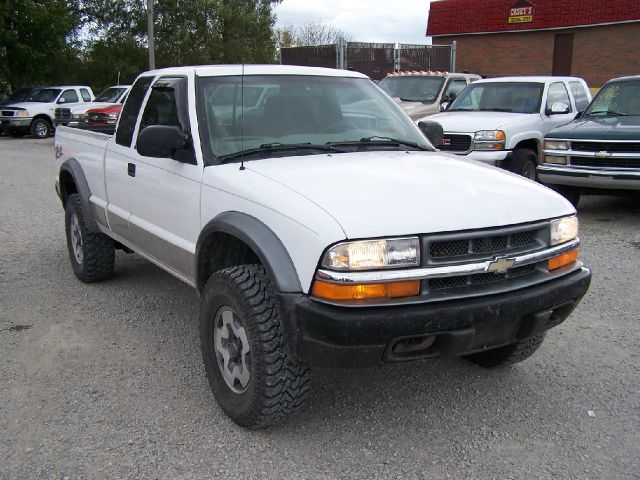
x,y
562,260
345,292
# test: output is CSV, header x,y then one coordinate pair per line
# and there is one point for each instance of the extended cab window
x,y
86,96
129,115
70,96
580,94
558,94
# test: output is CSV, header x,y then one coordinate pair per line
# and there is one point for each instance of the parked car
x,y
600,150
503,121
102,119
421,93
319,233
75,116
36,115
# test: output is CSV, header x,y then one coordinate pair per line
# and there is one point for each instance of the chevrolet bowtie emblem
x,y
500,265
603,155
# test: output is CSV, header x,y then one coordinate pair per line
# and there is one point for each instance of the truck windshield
x,y
279,111
46,95
616,99
110,95
517,97
419,88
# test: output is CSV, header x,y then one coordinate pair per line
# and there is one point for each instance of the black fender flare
x,y
73,168
261,239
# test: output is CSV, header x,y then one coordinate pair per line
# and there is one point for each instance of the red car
x,y
103,119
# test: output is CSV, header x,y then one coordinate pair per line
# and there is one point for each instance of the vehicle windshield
x,y
110,95
517,97
19,94
616,99
282,111
46,95
418,88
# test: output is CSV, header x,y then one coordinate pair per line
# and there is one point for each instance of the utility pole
x,y
152,57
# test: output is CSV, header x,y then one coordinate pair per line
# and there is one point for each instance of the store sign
x,y
521,12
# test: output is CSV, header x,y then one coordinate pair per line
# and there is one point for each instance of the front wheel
x,y
40,128
254,380
524,163
509,354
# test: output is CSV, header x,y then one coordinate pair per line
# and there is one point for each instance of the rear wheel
x,y
252,376
509,354
92,255
524,162
40,128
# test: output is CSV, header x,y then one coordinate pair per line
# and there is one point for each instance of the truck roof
x,y
220,70
532,78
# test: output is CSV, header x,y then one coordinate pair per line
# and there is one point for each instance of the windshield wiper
x,y
277,147
412,99
377,140
461,110
496,110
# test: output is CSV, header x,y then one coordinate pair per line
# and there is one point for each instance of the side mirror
x,y
558,108
444,106
164,141
432,130
61,100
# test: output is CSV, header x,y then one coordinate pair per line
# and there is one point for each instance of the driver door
x,y
557,93
164,195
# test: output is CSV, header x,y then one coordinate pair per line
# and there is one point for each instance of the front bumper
x,y
586,177
13,122
67,122
330,336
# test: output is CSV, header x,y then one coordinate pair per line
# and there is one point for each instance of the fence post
x,y
396,58
340,54
454,47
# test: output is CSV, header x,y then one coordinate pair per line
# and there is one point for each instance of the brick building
x,y
593,39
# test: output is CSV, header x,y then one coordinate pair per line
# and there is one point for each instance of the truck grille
x,y
455,143
8,113
606,162
479,278
614,147
63,113
482,245
97,117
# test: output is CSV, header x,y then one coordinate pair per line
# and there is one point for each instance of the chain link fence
x,y
373,59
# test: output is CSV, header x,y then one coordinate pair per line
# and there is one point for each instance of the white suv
x,y
36,115
503,121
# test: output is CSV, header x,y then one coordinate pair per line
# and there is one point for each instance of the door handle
x,y
131,169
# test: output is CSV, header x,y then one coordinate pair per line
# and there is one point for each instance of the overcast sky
x,y
403,21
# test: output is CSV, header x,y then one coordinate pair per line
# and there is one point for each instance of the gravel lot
x,y
106,380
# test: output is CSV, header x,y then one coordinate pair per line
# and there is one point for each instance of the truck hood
x,y
417,110
90,106
600,128
387,193
26,106
474,121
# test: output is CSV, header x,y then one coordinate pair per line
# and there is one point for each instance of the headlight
x,y
489,136
78,116
564,229
22,113
373,254
556,145
113,116
489,140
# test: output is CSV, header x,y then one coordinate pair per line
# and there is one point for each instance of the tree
x,y
37,40
317,33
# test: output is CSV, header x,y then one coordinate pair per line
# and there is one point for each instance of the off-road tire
x,y
278,385
509,354
524,163
98,250
40,128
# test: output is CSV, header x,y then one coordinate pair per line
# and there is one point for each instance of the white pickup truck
x,y
503,121
320,228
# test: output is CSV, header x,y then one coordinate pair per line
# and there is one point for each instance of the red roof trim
x,y
456,17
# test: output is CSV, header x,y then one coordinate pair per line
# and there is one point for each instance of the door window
x,y
70,96
86,96
558,94
580,94
454,88
129,115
